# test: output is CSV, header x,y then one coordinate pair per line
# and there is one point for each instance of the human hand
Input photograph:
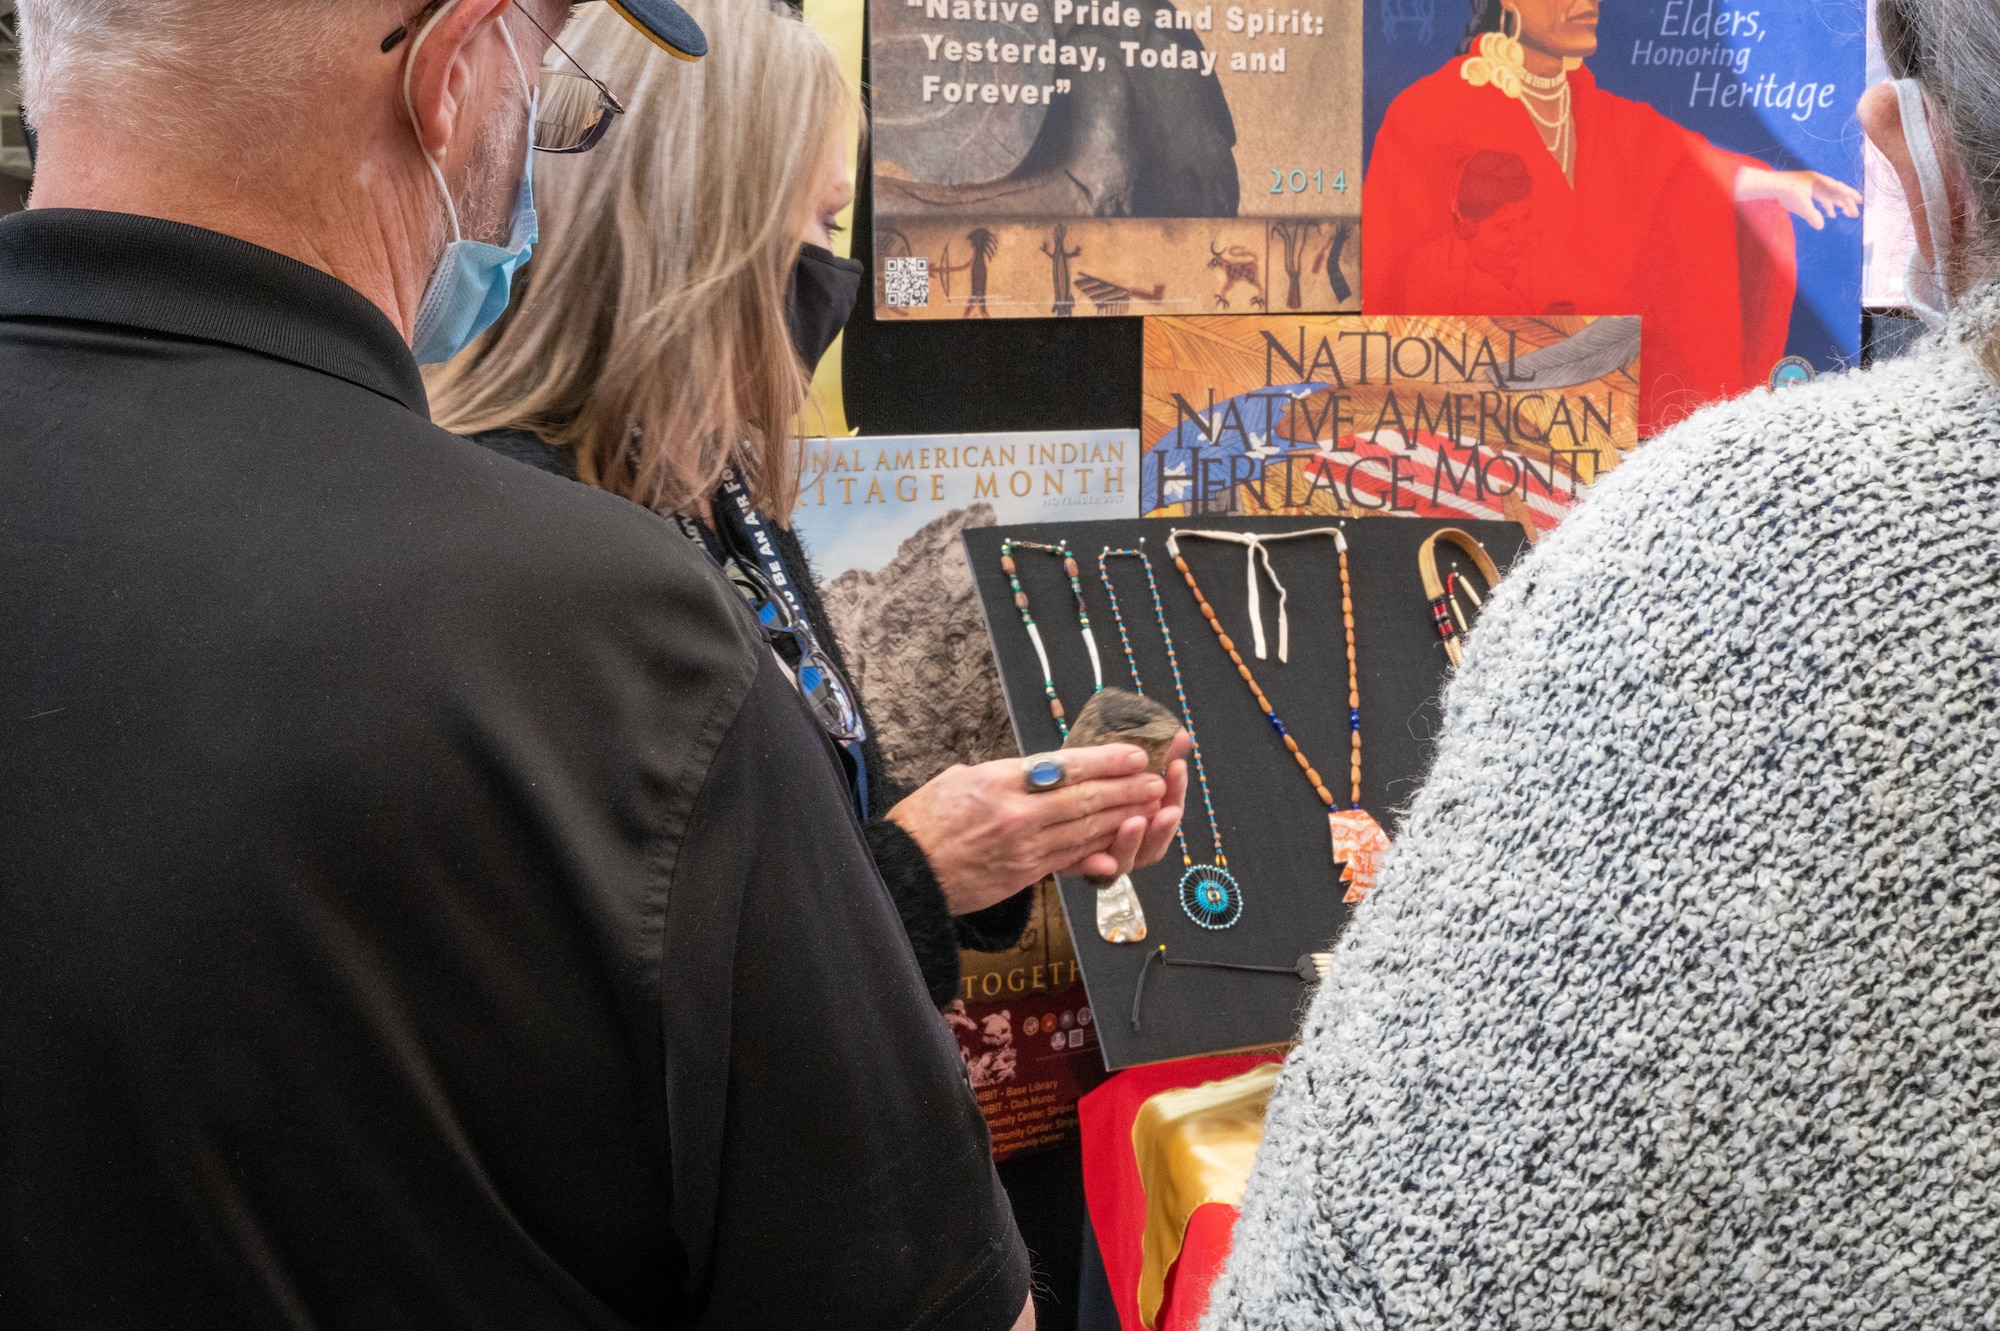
x,y
987,837
1133,847
1803,193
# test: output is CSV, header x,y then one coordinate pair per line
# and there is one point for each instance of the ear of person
x,y
1882,121
457,57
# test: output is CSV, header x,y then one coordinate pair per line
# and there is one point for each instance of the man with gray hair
x,y
409,890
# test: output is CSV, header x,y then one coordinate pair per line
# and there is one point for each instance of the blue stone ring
x,y
1043,771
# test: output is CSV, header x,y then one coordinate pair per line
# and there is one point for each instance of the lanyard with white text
x,y
817,674
766,549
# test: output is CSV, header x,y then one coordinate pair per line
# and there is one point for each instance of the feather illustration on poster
x,y
1694,162
1070,158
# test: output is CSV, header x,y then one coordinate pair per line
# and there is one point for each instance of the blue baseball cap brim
x,y
671,28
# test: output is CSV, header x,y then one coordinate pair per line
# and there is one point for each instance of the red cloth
x,y
1650,228
1111,1188
1203,1253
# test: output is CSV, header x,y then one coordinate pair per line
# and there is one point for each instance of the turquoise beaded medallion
x,y
1210,896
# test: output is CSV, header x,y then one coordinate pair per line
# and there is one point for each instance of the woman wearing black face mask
x,y
660,345
821,297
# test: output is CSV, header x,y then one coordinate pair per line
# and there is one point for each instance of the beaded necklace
x,y
1209,893
1558,128
1359,843
1446,615
1061,551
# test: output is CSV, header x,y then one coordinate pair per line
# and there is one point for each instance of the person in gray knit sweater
x,y
1679,1003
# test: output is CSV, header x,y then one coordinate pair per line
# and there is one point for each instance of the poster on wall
x,y
1888,238
1027,1033
1694,162
881,519
1486,419
1058,158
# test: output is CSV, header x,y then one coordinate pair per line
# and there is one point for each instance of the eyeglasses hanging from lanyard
x,y
827,695
573,112
820,683
760,577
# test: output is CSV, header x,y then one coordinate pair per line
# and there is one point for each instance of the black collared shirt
x,y
423,901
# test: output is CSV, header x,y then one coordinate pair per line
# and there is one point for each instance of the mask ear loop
x,y
1915,109
410,106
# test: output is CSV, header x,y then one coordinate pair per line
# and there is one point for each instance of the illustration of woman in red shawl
x,y
1508,182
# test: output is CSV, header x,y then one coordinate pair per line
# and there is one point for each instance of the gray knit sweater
x,y
1679,1003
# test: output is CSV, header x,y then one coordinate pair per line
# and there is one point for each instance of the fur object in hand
x,y
1114,716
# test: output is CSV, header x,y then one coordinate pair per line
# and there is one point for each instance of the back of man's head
x,y
294,124
215,76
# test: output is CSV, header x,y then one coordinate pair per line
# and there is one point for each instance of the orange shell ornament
x,y
1359,845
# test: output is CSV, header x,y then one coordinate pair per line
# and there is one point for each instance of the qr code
x,y
906,282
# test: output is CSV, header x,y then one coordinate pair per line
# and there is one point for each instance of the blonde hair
x,y
650,333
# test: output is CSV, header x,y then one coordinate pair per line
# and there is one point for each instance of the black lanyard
x,y
766,550
814,671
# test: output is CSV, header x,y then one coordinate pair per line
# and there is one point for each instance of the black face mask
x,y
821,299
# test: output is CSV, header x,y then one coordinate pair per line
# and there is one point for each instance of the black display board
x,y
1274,828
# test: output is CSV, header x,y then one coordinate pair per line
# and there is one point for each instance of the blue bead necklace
x,y
1209,893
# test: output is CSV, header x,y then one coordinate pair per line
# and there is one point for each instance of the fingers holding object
x,y
1071,842
1122,798
1127,842
1101,761
1160,834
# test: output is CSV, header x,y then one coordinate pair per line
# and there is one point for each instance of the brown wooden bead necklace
x,y
1359,843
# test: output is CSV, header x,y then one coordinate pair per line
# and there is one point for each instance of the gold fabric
x,y
1194,1145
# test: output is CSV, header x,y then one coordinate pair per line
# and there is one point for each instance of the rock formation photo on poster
x,y
1695,162
1508,419
881,520
1037,158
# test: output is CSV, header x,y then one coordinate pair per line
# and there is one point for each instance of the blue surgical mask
x,y
470,287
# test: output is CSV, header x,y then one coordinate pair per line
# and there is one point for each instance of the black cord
x,y
1139,986
1230,966
1302,970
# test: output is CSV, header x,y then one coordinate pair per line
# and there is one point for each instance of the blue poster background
x,y
1791,42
